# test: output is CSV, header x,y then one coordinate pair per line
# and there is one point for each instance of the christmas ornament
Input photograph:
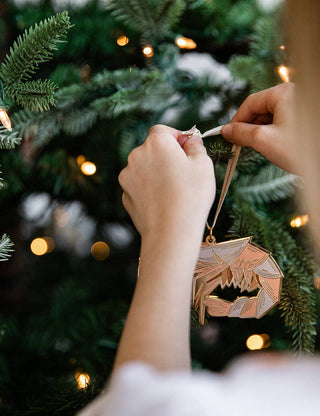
x,y
236,263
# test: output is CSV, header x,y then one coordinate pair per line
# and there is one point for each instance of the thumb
x,y
194,146
244,134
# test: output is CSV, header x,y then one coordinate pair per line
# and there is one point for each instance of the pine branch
x,y
5,247
269,184
153,20
219,151
259,68
298,298
8,140
35,95
34,47
79,121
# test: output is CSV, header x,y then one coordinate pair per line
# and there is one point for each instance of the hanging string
x,y
232,163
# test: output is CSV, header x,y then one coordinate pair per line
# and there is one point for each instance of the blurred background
x,y
125,66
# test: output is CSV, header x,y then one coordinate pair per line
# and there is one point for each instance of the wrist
x,y
174,249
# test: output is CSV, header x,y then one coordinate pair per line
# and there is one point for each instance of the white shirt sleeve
x,y
251,387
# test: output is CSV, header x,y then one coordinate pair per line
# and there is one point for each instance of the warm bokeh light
x,y
81,159
122,40
185,43
100,250
299,221
258,342
5,119
42,245
61,216
39,246
50,244
88,168
282,47
148,51
83,380
316,282
284,73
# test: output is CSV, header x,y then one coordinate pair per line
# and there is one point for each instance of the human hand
x,y
169,183
263,122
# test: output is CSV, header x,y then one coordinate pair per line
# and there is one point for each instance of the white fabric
x,y
261,387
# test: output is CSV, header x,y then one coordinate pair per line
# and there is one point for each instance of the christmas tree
x,y
126,66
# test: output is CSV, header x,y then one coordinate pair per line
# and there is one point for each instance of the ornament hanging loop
x,y
210,239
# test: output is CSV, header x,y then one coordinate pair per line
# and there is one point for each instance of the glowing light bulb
x,y
122,40
258,342
5,119
282,47
81,159
83,379
148,51
39,246
316,282
42,245
299,221
88,168
185,43
284,73
100,250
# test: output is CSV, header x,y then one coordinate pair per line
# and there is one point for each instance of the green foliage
x,y
152,18
5,247
259,68
8,140
298,297
62,172
270,183
103,114
34,47
110,95
225,19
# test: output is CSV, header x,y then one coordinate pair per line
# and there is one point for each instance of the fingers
x,y
263,102
244,134
194,147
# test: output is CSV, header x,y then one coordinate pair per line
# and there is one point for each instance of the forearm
x,y
158,323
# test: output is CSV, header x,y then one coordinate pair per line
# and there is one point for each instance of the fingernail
x,y
227,131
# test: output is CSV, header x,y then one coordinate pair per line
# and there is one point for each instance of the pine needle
x,y
8,140
269,184
34,47
5,247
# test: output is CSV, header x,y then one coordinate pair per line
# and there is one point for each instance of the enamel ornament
x,y
239,264
236,263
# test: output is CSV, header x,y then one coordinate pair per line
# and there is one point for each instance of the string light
x,y
316,282
40,246
122,40
284,73
81,159
100,250
258,342
88,168
83,379
148,51
5,119
299,221
185,43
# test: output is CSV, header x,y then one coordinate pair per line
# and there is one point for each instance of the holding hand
x,y
263,122
168,183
